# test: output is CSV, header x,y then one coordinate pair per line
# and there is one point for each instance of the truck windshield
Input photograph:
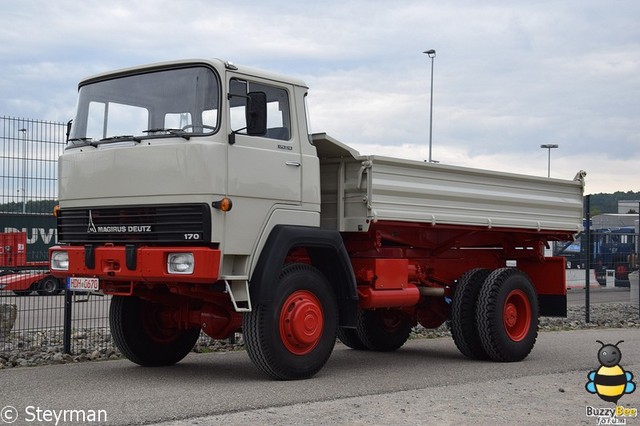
x,y
172,102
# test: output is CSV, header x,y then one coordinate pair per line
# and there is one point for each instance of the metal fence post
x,y
587,208
66,336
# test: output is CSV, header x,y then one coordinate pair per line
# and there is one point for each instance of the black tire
x,y
463,325
383,330
349,337
138,331
293,336
49,286
507,315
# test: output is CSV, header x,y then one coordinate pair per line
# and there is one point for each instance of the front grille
x,y
164,223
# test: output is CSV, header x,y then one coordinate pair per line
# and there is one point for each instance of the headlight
x,y
180,263
60,261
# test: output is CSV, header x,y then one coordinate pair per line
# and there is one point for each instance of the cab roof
x,y
215,63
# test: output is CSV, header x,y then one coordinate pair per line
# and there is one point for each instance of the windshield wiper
x,y
175,132
121,138
87,141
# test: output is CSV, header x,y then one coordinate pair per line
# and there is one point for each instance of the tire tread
x,y
464,329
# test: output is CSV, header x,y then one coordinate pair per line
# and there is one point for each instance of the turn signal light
x,y
224,205
56,210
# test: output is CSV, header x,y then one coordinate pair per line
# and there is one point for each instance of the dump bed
x,y
357,190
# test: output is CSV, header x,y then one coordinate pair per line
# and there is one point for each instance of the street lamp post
x,y
549,147
432,54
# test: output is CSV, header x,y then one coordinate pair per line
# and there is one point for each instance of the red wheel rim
x,y
159,322
391,321
517,315
301,322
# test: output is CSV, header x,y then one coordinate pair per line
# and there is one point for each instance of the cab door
x,y
264,171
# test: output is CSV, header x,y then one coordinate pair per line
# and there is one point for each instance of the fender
x,y
328,254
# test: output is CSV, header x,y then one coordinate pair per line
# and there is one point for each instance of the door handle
x,y
292,163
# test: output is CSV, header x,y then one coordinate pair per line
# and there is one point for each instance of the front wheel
x,y
507,315
293,336
147,333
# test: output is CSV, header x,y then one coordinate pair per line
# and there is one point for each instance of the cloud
x,y
507,76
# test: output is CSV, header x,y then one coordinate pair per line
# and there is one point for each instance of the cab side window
x,y
278,115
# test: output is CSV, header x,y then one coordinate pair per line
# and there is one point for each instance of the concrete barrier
x,y
576,278
634,277
8,314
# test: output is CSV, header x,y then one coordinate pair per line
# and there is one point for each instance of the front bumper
x,y
141,264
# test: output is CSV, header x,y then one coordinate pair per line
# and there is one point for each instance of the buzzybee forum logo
x,y
610,382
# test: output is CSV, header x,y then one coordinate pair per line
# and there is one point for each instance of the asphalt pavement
x,y
426,382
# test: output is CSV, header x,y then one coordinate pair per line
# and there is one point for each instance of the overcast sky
x,y
508,75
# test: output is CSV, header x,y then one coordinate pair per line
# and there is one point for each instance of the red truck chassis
x,y
403,271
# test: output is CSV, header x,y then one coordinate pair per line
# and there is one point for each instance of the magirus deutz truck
x,y
195,195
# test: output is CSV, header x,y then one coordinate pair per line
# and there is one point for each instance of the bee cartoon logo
x,y
610,381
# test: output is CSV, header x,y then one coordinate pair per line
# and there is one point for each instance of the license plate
x,y
83,284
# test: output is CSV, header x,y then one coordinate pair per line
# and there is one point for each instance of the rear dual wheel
x,y
463,325
380,330
383,330
507,315
495,315
349,337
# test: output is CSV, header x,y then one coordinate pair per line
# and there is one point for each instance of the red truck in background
x,y
19,275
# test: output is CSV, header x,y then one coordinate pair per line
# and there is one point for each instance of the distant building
x,y
625,206
612,220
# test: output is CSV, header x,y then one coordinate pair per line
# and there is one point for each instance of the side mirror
x,y
256,113
68,129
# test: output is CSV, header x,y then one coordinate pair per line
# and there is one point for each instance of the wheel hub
x,y
301,322
510,315
159,322
516,315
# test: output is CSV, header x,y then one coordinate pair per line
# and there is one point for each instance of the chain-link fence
x,y
29,156
611,260
37,315
608,247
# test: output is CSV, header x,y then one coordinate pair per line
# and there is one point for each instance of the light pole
x,y
24,171
432,54
549,147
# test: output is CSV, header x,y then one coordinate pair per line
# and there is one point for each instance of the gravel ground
x,y
31,348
